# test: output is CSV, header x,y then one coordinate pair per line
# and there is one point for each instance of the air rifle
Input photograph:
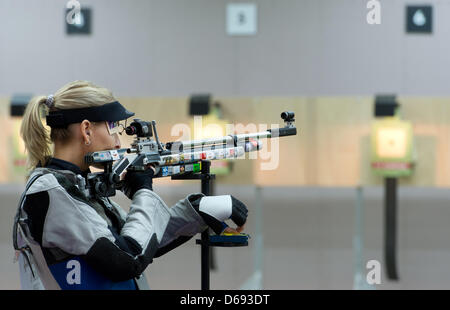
x,y
172,158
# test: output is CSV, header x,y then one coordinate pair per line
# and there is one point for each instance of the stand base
x,y
226,240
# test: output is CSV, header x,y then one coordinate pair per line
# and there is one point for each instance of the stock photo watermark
x,y
374,274
374,15
257,146
74,274
73,16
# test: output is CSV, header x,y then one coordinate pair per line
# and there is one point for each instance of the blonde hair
x,y
37,138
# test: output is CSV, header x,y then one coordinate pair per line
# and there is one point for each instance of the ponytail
x,y
37,138
34,134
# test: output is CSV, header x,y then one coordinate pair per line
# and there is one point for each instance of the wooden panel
x,y
4,140
330,149
339,124
12,155
288,160
431,120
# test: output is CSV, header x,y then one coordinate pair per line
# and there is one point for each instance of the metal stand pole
x,y
206,186
212,256
359,275
255,281
259,250
390,233
205,242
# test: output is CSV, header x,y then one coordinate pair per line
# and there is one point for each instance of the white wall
x,y
176,47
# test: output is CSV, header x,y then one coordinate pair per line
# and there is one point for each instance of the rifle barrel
x,y
229,141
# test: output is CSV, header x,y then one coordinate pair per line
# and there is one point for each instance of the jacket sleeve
x,y
184,222
76,228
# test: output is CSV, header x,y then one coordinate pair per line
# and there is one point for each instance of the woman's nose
x,y
116,141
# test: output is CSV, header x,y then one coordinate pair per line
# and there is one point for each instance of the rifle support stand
x,y
205,176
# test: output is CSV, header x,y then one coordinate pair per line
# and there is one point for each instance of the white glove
x,y
216,209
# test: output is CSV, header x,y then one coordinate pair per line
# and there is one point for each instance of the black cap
x,y
112,112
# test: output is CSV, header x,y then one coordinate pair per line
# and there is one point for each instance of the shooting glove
x,y
136,180
216,209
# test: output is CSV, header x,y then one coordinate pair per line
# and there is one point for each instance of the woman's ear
x,y
86,131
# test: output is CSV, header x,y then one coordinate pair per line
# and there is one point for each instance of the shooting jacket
x,y
67,240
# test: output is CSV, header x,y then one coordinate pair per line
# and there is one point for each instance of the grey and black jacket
x,y
113,245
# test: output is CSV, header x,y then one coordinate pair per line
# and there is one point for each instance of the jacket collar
x,y
59,164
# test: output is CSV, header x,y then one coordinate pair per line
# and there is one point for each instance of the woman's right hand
x,y
136,180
